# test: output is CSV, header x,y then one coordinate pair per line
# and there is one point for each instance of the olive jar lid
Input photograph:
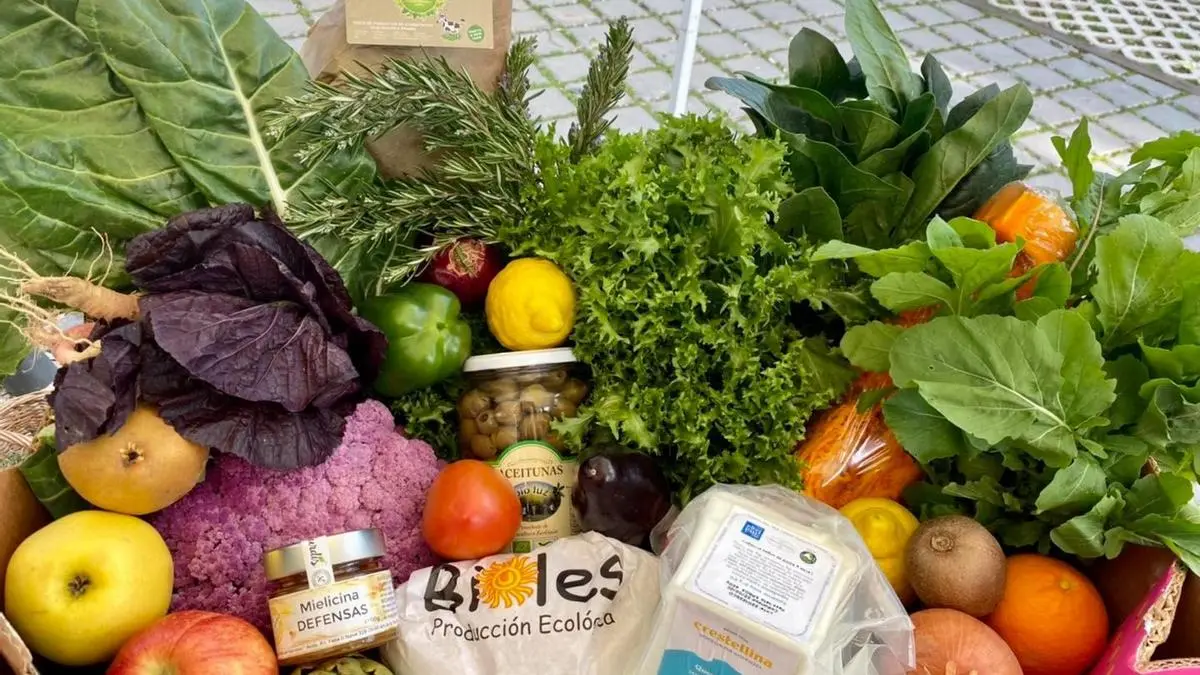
x,y
525,359
344,548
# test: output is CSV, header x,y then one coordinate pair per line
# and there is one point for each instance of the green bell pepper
x,y
427,339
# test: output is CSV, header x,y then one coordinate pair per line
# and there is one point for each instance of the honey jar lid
x,y
346,547
525,359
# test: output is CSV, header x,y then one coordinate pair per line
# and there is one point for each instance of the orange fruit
x,y
1051,615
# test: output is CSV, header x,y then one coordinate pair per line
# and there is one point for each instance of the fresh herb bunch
x,y
685,290
876,149
1034,411
483,144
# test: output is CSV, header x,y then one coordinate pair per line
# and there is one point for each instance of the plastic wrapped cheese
x,y
764,580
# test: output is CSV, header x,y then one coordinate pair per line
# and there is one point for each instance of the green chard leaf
x,y
958,152
867,346
996,378
884,63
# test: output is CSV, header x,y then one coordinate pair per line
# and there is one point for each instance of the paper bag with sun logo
x,y
583,605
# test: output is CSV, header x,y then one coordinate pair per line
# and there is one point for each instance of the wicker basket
x,y
21,417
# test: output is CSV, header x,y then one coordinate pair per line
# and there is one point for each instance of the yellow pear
x,y
144,467
81,586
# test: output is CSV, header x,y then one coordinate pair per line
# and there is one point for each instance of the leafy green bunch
x,y
1039,419
876,149
685,290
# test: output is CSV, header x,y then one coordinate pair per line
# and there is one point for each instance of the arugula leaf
x,y
884,63
814,62
1075,488
1171,149
923,432
867,346
1083,535
996,378
912,257
900,291
958,152
1076,158
1136,285
972,269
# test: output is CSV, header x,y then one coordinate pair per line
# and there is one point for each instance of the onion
x,y
950,642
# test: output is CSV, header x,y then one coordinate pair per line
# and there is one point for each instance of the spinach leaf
x,y
844,182
937,83
884,63
868,126
811,213
814,62
961,150
791,109
923,431
999,169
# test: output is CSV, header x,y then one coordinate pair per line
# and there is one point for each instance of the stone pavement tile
x,y
570,15
1077,69
551,42
275,7
528,21
753,64
1190,103
1040,77
1039,47
785,13
1123,93
632,119
289,26
960,11
566,67
1038,147
928,15
1104,64
1104,142
1086,101
1132,128
615,9
589,37
822,8
1156,88
651,85
724,45
317,7
704,70
537,79
923,40
898,20
663,52
733,19
963,34
1051,113
963,62
1051,181
642,61
1000,54
997,27
552,104
1169,118
652,29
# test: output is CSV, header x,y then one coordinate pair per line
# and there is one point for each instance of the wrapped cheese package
x,y
761,579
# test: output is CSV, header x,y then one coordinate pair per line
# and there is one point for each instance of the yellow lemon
x,y
531,305
886,527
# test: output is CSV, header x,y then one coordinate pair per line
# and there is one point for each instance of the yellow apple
x,y
81,586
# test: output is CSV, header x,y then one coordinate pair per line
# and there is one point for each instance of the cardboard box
x,y
327,54
21,516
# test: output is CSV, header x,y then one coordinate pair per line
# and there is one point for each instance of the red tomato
x,y
471,512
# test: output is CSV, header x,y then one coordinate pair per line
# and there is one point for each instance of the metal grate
x,y
1160,33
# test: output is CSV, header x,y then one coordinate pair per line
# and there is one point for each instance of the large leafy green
x,y
873,122
117,114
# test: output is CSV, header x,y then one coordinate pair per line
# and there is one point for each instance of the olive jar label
x,y
543,480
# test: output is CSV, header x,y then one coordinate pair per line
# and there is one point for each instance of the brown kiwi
x,y
954,562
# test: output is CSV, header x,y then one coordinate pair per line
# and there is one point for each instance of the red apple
x,y
197,643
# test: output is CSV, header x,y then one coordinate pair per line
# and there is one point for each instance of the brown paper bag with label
x,y
327,54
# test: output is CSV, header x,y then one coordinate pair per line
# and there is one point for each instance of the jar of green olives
x,y
504,419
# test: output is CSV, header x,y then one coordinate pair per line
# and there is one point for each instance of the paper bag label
x,y
420,23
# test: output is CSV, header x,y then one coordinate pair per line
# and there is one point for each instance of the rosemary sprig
x,y
604,88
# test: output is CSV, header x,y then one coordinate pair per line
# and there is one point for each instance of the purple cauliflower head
x,y
219,532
